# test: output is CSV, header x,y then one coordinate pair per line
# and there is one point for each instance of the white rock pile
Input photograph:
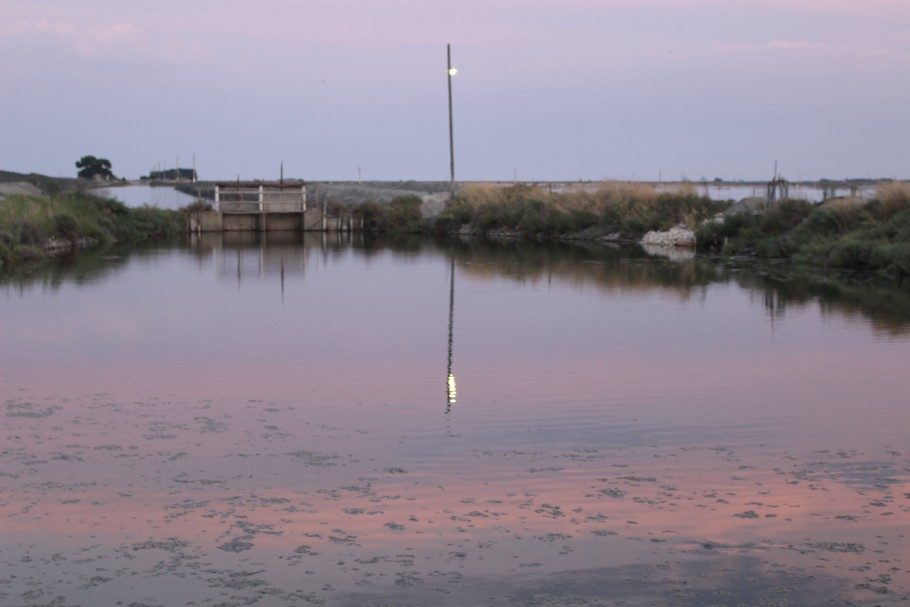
x,y
678,236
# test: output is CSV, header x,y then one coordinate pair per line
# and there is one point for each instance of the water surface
x,y
137,195
324,421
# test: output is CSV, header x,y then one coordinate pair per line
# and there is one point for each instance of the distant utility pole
x,y
194,167
451,71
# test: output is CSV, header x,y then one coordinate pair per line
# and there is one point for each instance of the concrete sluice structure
x,y
267,207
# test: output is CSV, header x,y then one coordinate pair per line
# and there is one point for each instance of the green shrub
x,y
784,216
30,234
629,208
64,225
6,254
457,213
24,252
98,233
27,222
713,235
197,206
893,258
849,253
403,214
370,214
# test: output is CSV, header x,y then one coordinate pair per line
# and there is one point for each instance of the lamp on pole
x,y
451,71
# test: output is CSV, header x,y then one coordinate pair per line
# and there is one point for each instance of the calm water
x,y
163,197
296,422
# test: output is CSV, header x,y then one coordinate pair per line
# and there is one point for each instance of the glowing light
x,y
450,384
453,71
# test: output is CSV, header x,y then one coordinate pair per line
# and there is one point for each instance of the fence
x,y
260,199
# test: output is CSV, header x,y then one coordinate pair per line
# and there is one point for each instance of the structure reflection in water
x,y
242,256
284,256
451,392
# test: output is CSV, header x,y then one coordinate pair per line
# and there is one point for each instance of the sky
x,y
558,89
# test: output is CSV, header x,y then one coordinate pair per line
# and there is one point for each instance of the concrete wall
x,y
240,223
311,220
205,221
281,222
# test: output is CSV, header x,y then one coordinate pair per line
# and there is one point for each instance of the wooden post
x,y
263,221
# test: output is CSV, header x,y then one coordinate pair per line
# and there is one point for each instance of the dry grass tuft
x,y
844,203
893,197
686,188
614,206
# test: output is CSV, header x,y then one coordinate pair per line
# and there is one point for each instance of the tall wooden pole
x,y
451,127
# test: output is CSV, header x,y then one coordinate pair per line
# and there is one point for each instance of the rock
x,y
59,246
678,236
56,245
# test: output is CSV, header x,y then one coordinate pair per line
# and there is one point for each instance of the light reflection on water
x,y
243,420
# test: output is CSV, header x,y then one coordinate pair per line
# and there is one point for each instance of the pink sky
x,y
575,89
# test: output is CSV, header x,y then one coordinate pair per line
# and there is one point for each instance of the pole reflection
x,y
451,392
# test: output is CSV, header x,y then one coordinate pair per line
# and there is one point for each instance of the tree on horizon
x,y
94,168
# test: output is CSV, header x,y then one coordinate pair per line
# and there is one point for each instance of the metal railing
x,y
260,199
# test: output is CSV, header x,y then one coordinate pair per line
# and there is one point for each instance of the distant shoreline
x,y
870,234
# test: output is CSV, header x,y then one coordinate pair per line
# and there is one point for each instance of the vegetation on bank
x,y
869,237
44,183
624,211
402,214
33,226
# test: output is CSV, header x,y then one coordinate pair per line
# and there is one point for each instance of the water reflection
x,y
451,392
285,256
164,197
241,419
